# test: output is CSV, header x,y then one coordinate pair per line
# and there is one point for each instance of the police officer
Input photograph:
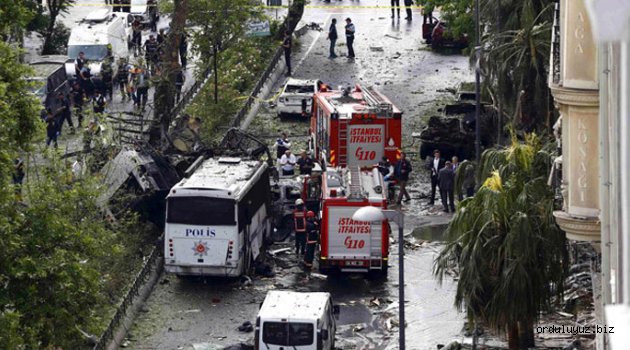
x,y
151,55
122,75
350,37
287,45
77,98
312,229
299,218
64,112
107,74
98,102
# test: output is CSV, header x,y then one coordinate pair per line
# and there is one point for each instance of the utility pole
x,y
477,85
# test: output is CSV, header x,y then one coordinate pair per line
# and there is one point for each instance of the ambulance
x,y
354,127
348,245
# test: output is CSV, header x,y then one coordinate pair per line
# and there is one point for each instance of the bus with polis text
x,y
218,218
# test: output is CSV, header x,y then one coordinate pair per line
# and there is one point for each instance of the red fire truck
x,y
354,128
348,245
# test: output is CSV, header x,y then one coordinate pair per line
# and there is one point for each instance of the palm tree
x,y
510,252
515,58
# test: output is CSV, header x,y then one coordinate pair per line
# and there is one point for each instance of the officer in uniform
x,y
107,75
151,52
312,229
299,218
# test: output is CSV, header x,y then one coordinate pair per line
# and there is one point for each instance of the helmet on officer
x,y
310,214
299,201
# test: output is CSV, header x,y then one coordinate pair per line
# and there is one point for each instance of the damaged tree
x,y
511,254
164,96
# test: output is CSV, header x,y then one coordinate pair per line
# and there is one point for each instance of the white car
x,y
297,97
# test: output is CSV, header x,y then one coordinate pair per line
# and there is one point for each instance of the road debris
x,y
393,37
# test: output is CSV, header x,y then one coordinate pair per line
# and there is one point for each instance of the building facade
x,y
590,82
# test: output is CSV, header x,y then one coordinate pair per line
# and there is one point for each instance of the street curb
x,y
143,294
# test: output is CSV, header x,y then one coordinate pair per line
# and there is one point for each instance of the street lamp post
x,y
372,214
477,85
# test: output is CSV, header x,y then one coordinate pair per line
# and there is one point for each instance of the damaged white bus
x,y
217,218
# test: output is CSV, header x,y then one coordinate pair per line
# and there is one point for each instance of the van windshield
x,y
288,334
200,211
92,52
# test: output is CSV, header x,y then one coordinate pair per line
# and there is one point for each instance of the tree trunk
x,y
54,12
526,334
164,95
513,339
215,53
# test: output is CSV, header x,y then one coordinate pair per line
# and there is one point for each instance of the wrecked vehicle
x,y
296,98
218,218
296,320
436,32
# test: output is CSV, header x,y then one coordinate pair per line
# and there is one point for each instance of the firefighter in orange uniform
x,y
312,230
299,218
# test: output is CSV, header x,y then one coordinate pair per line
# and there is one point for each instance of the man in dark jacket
x,y
287,45
64,113
446,178
332,36
434,164
401,171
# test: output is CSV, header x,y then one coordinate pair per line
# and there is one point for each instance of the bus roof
x,y
226,177
293,305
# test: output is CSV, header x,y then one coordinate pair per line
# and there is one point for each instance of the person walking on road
x,y
350,37
446,178
287,44
312,230
434,164
401,171
332,36
396,4
64,112
51,128
299,221
136,38
408,4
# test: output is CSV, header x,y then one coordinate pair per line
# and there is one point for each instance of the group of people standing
x,y
443,177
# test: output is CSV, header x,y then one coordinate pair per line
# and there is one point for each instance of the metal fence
x,y
121,312
238,118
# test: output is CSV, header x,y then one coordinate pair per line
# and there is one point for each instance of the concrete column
x,y
577,99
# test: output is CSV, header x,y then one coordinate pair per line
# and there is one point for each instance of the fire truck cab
x,y
348,245
354,128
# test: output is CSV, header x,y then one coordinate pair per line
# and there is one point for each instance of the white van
x,y
297,321
92,35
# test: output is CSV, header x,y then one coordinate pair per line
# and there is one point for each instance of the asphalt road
x,y
205,313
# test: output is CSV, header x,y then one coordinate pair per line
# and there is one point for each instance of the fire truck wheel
x,y
378,275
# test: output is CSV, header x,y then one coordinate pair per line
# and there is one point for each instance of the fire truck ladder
x,y
343,143
355,186
375,99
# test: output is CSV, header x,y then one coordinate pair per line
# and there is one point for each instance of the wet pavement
x,y
205,313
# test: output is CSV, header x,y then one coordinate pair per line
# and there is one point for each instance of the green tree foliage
x,y
510,252
515,52
55,8
515,59
459,14
220,22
